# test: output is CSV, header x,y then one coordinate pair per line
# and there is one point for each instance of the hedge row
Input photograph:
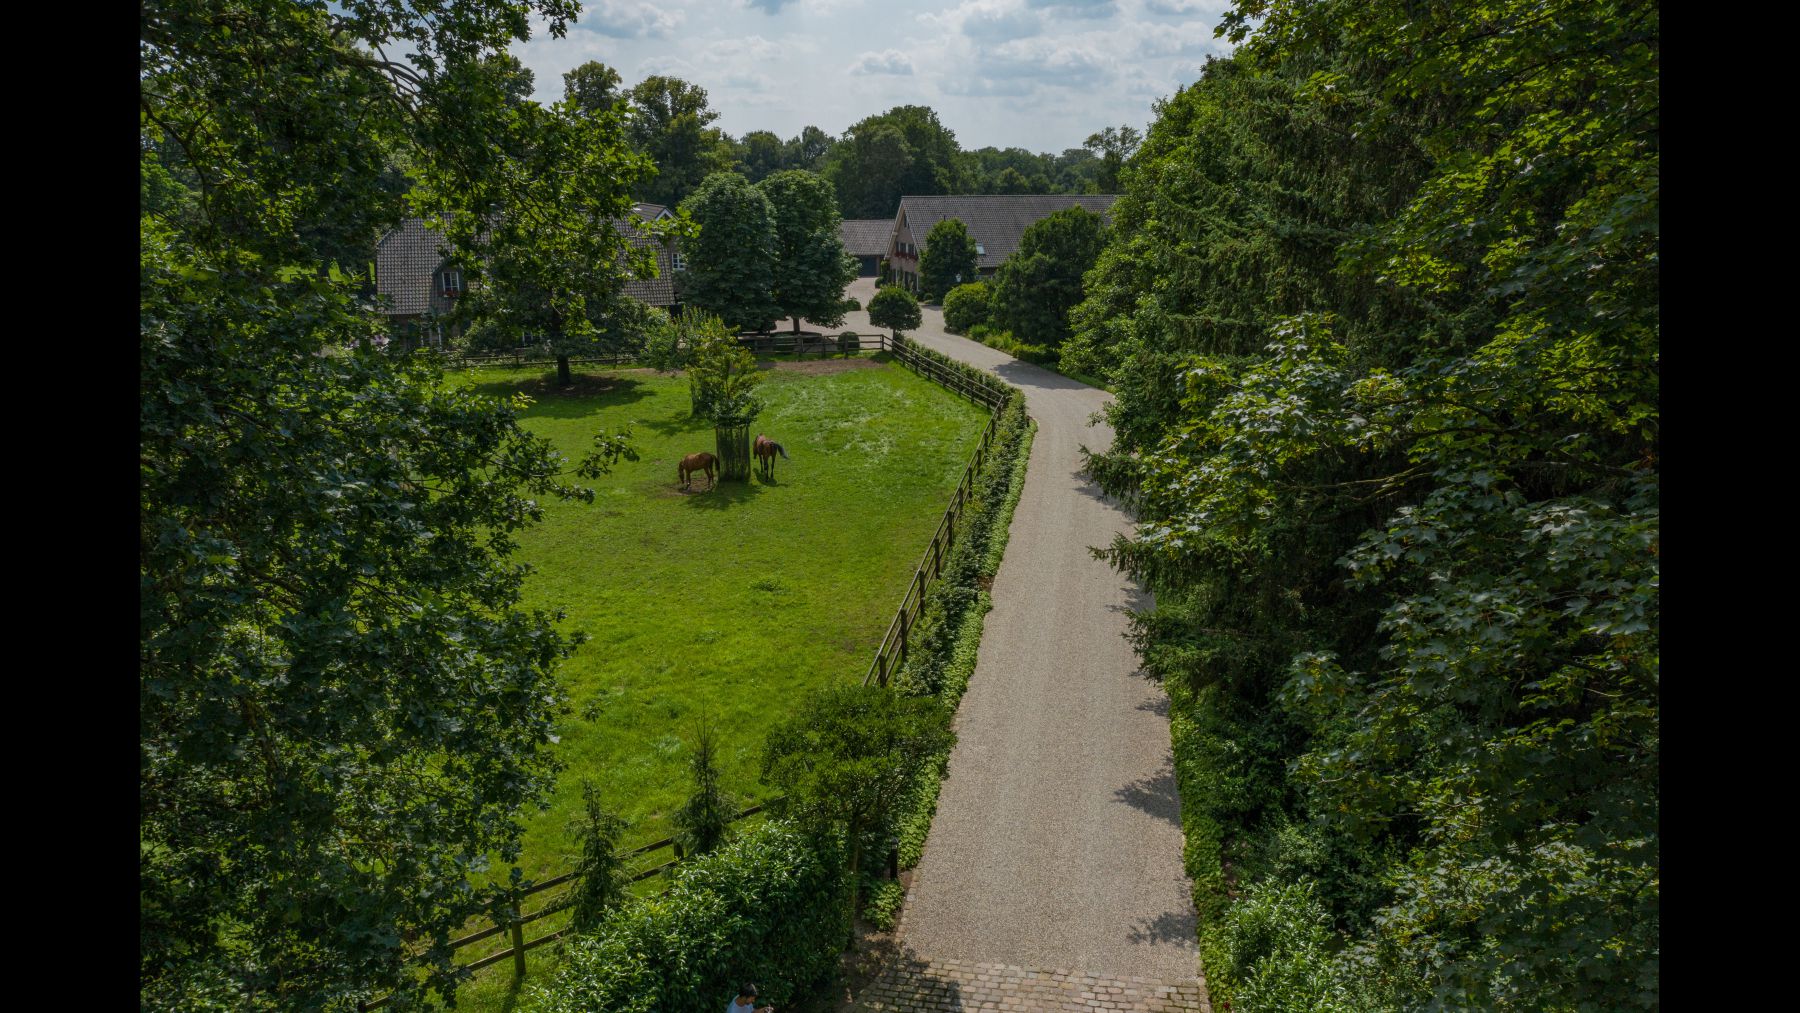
x,y
771,906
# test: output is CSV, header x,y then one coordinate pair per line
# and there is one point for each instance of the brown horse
x,y
765,451
702,461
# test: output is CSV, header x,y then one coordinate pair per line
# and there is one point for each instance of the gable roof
x,y
866,237
996,221
408,257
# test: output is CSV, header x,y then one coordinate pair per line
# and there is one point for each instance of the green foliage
x,y
967,306
1038,285
1382,310
848,758
602,881
1005,341
704,820
721,372
593,87
894,308
666,346
881,904
1113,145
731,262
771,906
342,702
666,121
811,267
905,150
948,260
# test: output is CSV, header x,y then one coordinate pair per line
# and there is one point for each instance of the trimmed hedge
x,y
771,906
967,305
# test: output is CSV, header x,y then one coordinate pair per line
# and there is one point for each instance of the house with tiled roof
x,y
418,283
867,240
995,221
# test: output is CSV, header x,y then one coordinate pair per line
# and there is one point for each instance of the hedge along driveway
x,y
732,603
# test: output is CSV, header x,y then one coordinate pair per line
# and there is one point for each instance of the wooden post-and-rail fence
x,y
888,657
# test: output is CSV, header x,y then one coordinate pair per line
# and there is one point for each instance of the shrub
x,y
601,879
771,906
704,820
895,309
967,306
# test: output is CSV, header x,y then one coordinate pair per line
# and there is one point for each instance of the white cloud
x,y
1077,8
890,61
629,19
988,20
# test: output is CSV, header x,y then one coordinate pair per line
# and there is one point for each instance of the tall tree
x,y
1114,146
811,267
343,703
905,150
545,256
731,260
593,86
759,154
808,150
1038,285
948,260
668,122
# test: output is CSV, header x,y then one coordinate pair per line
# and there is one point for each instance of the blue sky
x,y
1037,74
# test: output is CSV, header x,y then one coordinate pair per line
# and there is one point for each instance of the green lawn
x,y
732,603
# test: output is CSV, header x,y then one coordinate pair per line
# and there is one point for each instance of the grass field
x,y
732,603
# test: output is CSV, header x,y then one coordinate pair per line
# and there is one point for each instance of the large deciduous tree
x,y
811,267
1114,146
905,150
1038,285
948,259
731,260
593,86
342,702
668,122
543,245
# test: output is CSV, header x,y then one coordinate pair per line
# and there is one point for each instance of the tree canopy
x,y
881,158
668,121
731,260
1038,285
894,308
1381,306
811,267
948,260
342,701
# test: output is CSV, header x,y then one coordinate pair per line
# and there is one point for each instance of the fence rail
x,y
888,657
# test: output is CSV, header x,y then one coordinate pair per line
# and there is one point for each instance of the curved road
x,y
1057,841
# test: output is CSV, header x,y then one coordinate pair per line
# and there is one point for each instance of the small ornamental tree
x,y
704,821
967,306
811,267
731,262
601,879
851,755
722,379
894,308
1040,283
948,260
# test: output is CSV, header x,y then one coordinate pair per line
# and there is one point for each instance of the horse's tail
x,y
781,450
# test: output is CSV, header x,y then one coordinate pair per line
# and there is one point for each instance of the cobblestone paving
x,y
915,985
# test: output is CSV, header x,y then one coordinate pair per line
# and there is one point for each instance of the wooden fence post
x,y
518,941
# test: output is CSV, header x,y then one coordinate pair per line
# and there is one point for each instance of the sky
x,y
1035,74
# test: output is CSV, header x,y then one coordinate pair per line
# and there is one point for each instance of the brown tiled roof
x,y
995,221
866,237
408,258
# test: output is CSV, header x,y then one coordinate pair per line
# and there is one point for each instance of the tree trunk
x,y
563,376
733,443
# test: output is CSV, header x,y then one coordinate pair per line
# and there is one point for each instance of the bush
x,y
849,342
1277,942
771,906
967,306
883,906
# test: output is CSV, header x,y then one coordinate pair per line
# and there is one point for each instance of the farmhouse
x,y
995,221
418,284
866,239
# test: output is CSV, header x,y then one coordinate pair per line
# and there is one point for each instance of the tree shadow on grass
x,y
723,496
588,393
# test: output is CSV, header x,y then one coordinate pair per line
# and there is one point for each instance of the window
x,y
679,261
980,251
452,284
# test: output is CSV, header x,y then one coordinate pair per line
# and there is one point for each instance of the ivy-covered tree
x,y
722,376
1038,285
343,702
895,309
948,259
811,267
731,260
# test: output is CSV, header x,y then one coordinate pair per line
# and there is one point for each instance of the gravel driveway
x,y
1057,842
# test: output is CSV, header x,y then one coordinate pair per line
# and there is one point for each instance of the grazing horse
x,y
702,461
765,450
